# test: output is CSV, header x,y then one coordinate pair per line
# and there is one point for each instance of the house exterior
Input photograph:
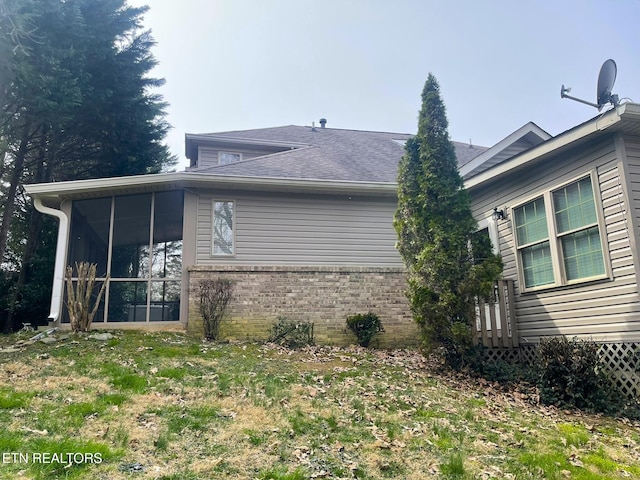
x,y
301,219
569,239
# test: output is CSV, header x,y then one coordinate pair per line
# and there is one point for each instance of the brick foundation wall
x,y
322,295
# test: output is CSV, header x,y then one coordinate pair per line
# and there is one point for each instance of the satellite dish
x,y
606,79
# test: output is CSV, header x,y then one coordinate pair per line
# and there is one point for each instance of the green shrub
x,y
364,326
291,334
569,375
503,372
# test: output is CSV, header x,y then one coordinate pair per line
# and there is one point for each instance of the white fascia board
x,y
503,144
230,140
57,190
246,141
294,185
69,188
595,125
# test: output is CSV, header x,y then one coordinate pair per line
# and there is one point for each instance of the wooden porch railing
x,y
496,318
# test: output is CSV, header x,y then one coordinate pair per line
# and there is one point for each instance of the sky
x,y
362,64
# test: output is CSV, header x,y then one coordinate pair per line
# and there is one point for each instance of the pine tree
x,y
76,102
436,234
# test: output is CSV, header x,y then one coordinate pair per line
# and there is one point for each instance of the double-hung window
x,y
578,231
558,237
532,235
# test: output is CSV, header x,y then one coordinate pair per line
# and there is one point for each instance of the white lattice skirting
x,y
620,361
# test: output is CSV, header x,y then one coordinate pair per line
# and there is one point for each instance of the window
x,y
223,241
488,231
562,248
533,241
578,231
225,158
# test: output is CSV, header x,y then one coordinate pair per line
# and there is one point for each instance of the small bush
x,y
569,375
364,326
291,334
215,295
505,373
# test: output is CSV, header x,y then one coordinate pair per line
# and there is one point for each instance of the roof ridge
x,y
306,127
365,131
245,130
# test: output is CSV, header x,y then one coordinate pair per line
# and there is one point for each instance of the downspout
x,y
61,249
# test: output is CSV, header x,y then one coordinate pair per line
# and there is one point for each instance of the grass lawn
x,y
167,406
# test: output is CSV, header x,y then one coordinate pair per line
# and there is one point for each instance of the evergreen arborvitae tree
x,y
448,265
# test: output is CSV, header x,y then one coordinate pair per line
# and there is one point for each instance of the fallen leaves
x,y
332,412
575,461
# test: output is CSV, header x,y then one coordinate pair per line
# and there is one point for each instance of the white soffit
x,y
524,138
628,112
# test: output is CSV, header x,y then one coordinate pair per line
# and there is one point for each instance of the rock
x,y
43,334
101,336
48,340
130,467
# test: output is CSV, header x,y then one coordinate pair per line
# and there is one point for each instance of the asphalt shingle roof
x,y
330,154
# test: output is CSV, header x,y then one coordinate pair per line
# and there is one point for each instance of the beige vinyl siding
x,y
606,310
272,229
208,157
632,148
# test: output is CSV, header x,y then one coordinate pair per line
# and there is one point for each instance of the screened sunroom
x,y
136,242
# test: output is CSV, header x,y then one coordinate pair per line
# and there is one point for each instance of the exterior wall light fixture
x,y
499,214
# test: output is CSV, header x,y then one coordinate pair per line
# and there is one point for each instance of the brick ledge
x,y
294,268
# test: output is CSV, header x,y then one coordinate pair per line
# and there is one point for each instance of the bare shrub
x,y
79,300
215,295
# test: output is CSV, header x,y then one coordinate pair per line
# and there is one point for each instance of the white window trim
x,y
213,233
492,227
555,242
222,152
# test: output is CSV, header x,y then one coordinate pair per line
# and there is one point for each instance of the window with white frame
x,y
224,158
223,228
489,229
558,237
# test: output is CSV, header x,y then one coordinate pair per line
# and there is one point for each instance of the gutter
x,y
61,248
56,191
609,119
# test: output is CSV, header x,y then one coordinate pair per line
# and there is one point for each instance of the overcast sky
x,y
244,64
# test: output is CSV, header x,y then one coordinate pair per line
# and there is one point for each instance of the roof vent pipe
x,y
323,122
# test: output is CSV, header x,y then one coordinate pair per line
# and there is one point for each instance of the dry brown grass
x,y
186,410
